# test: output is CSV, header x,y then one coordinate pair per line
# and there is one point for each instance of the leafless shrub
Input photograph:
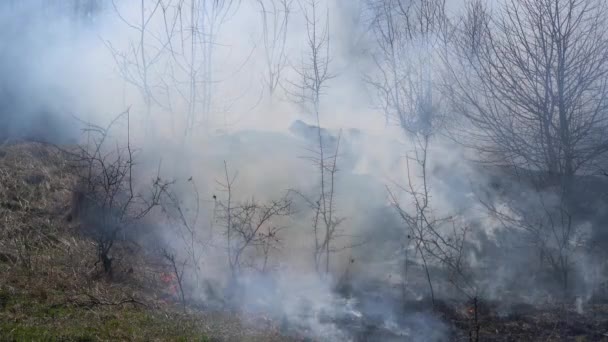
x,y
190,230
475,326
314,71
314,74
110,204
249,227
177,268
325,221
435,240
549,230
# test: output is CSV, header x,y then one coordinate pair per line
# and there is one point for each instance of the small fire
x,y
170,282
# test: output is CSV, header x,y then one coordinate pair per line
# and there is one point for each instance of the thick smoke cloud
x,y
60,68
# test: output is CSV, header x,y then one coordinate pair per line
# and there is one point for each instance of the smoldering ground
x,y
61,68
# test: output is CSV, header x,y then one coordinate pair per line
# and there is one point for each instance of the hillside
x,y
51,287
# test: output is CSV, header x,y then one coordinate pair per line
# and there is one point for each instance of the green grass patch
x,y
24,319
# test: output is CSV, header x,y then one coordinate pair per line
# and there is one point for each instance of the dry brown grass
x,y
51,286
52,289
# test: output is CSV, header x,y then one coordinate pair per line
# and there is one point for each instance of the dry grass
x,y
51,287
550,323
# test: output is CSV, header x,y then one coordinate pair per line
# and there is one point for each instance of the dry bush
x,y
107,202
249,227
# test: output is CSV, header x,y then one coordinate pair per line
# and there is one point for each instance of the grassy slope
x,y
50,287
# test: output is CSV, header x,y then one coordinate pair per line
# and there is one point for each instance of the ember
x,y
170,282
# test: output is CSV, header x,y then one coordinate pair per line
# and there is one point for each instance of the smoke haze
x,y
62,65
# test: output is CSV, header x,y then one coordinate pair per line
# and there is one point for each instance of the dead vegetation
x,y
51,287
528,323
518,98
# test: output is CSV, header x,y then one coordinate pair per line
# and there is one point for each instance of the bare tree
x,y
530,84
191,30
136,64
314,73
407,34
474,27
535,88
275,18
